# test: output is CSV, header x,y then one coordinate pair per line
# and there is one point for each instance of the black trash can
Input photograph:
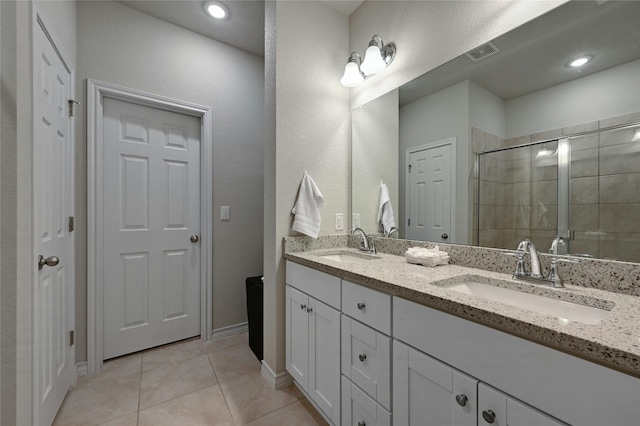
x,y
254,314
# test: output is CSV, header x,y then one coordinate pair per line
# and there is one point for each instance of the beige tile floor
x,y
187,383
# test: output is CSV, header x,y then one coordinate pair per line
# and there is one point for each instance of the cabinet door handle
x,y
303,306
361,306
362,357
362,423
489,416
309,310
462,399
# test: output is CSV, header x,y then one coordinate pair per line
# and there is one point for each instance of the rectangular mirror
x,y
461,179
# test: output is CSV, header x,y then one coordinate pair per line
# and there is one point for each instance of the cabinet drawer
x,y
359,409
368,306
323,287
366,360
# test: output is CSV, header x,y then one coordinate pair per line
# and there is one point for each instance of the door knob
x,y
445,236
361,306
49,261
194,238
362,357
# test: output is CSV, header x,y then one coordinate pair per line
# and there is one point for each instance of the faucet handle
x,y
564,260
520,271
557,241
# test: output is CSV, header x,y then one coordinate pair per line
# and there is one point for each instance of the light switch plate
x,y
356,220
225,213
339,221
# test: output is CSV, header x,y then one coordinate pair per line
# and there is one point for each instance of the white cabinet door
x,y
498,409
366,359
324,358
297,339
360,410
427,392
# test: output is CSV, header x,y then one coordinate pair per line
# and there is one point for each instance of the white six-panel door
x,y
53,204
429,194
151,227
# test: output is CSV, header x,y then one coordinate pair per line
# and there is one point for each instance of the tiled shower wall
x,y
517,196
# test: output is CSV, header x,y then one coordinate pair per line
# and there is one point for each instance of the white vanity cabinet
x,y
313,336
497,409
427,392
518,380
366,356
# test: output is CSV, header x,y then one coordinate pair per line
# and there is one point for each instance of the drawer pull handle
x,y
462,400
362,357
362,423
309,310
303,306
361,306
489,416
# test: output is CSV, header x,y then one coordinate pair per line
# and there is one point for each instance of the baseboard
x,y
82,369
221,333
277,381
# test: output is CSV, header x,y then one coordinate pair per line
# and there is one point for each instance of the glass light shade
x,y
636,136
373,62
352,76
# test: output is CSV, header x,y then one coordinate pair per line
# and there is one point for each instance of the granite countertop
x,y
614,342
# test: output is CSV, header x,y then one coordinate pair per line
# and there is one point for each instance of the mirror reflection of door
x,y
429,201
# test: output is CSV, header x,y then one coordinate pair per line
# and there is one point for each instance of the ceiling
x,y
243,29
534,56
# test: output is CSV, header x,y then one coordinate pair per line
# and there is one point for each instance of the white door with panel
x,y
53,205
151,226
429,194
427,392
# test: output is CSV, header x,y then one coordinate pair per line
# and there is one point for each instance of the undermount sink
x,y
344,256
563,310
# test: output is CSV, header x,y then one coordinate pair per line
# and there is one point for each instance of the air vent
x,y
482,52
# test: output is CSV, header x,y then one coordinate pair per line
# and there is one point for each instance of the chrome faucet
x,y
366,245
536,275
391,231
535,258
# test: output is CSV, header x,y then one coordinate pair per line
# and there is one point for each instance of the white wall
x,y
434,118
487,111
120,45
374,157
609,93
308,129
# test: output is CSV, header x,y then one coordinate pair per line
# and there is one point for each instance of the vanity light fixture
x,y
216,10
578,62
377,57
353,76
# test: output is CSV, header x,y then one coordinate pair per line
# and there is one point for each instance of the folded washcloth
x,y
385,211
307,208
427,257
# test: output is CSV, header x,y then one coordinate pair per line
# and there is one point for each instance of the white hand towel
x,y
307,208
385,211
427,257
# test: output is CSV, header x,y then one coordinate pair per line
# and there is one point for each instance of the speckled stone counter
x,y
614,342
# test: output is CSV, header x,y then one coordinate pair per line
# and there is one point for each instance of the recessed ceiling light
x,y
578,62
216,10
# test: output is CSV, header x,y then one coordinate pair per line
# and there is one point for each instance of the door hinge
x,y
71,102
72,338
409,168
409,222
72,224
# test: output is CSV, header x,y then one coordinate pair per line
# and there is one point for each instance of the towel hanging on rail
x,y
308,207
385,211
